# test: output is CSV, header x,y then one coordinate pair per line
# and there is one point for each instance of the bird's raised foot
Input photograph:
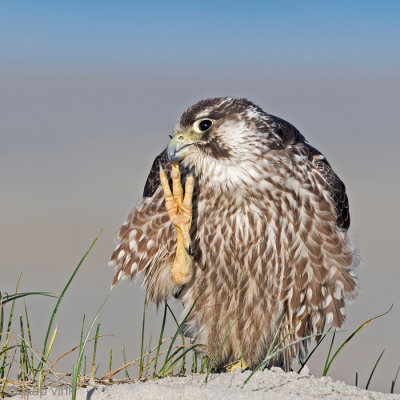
x,y
179,208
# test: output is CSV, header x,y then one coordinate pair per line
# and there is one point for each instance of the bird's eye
x,y
203,125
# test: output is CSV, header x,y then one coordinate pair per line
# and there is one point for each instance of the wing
x,y
321,263
147,240
288,135
333,184
337,248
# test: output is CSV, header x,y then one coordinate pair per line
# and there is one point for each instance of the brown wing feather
x,y
321,269
153,180
330,254
147,240
335,186
290,135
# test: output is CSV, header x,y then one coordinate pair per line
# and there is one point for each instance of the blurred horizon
x,y
90,91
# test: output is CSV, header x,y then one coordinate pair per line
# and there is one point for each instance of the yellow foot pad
x,y
179,209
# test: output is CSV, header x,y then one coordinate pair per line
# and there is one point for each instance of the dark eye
x,y
205,124
202,125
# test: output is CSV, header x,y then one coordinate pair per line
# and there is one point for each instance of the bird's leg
x,y
179,209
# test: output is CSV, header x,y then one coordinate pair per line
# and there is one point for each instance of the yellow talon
x,y
179,209
236,365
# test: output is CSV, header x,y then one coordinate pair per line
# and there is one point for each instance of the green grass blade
x,y
78,364
82,329
30,340
1,332
182,336
148,356
21,363
373,370
394,381
2,392
110,362
329,355
203,363
11,297
24,361
275,337
213,361
49,347
181,356
74,380
303,364
356,382
1,319
75,372
3,366
178,325
179,330
124,360
273,354
15,346
94,352
43,360
172,358
276,350
141,362
194,363
363,325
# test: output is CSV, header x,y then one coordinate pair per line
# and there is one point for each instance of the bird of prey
x,y
257,240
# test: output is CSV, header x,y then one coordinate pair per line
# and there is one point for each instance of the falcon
x,y
246,222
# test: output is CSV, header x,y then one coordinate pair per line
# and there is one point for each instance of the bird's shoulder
x,y
335,186
290,139
284,133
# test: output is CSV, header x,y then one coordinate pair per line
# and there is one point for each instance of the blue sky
x,y
184,34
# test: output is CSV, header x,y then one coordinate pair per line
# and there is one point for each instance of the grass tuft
x,y
24,368
328,362
45,350
77,366
160,340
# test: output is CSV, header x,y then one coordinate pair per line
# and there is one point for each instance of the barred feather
x,y
269,236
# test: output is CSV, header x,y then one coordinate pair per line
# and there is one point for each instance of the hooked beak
x,y
179,145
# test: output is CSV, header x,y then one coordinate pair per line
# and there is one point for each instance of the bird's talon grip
x,y
179,209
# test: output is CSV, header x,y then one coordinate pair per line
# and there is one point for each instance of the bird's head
x,y
225,129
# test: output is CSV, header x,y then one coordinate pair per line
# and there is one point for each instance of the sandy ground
x,y
274,384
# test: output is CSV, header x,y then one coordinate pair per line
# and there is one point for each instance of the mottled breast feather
x,y
269,240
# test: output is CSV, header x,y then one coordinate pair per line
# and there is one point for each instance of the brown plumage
x,y
269,235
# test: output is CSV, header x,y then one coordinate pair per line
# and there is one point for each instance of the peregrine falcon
x,y
257,240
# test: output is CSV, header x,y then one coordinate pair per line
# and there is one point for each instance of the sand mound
x,y
274,384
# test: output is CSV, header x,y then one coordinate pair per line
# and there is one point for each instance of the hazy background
x,y
89,92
